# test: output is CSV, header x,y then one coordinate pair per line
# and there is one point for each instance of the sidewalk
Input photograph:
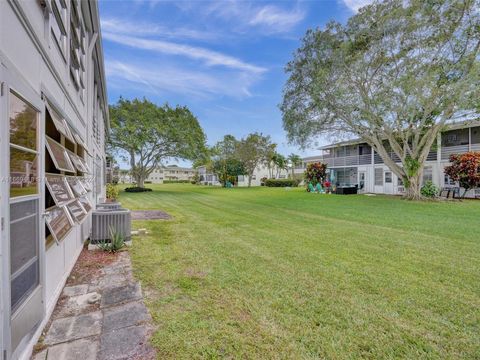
x,y
100,315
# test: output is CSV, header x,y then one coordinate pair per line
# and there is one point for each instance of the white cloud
x,y
123,26
167,79
276,18
211,58
269,18
355,5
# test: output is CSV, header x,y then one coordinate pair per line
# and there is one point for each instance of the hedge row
x,y
282,182
136,189
176,181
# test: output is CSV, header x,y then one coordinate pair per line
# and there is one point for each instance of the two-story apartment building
x,y
354,163
170,172
54,116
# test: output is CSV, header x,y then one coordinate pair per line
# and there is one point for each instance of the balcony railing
x,y
449,150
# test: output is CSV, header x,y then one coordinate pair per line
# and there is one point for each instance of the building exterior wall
x,y
262,172
206,177
35,69
160,174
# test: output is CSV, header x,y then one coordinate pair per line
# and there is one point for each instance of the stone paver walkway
x,y
100,315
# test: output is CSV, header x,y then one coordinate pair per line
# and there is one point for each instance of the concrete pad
x,y
74,327
80,304
126,343
109,281
83,349
129,314
121,294
75,290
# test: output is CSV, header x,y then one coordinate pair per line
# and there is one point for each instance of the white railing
x,y
449,150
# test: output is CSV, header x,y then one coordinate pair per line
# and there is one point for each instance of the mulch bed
x,y
150,215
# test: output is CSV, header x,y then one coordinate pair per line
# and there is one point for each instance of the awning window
x,y
77,162
59,155
86,182
59,222
76,186
59,189
85,203
78,212
60,124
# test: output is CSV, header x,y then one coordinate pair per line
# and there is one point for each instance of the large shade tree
x,y
253,151
394,75
145,134
224,162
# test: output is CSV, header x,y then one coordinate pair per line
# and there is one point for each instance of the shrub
x,y
315,173
176,181
116,242
111,192
429,190
136,189
281,182
263,180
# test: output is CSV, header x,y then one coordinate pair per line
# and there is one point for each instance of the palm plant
x,y
294,160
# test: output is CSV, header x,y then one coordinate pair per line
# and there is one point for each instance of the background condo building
x,y
354,163
54,115
170,172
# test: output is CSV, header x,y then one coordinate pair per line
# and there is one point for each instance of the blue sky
x,y
223,59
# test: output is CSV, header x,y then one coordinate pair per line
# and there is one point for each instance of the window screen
x,y
23,250
76,186
427,174
60,124
85,203
388,177
77,211
59,156
77,162
58,222
378,176
59,189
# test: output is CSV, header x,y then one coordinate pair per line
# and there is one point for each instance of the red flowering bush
x,y
315,173
465,169
327,184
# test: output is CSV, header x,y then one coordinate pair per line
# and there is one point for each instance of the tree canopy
x,y
225,163
253,151
146,134
393,76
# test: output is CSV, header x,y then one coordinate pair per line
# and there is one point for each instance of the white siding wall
x,y
29,55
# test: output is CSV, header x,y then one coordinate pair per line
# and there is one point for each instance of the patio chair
x,y
311,188
319,189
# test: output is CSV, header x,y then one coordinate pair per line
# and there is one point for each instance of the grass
x,y
275,273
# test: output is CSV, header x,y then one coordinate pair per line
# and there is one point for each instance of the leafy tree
x,y
146,134
225,163
294,160
465,169
394,76
253,151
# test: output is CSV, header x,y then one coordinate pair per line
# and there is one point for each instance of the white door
x,y
388,182
21,164
362,182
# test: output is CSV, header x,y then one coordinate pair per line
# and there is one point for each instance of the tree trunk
x,y
140,181
250,179
412,191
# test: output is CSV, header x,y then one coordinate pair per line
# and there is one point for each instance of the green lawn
x,y
275,273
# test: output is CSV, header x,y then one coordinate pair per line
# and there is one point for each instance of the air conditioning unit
x,y
104,221
109,206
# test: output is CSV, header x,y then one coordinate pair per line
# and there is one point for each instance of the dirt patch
x,y
88,266
150,215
